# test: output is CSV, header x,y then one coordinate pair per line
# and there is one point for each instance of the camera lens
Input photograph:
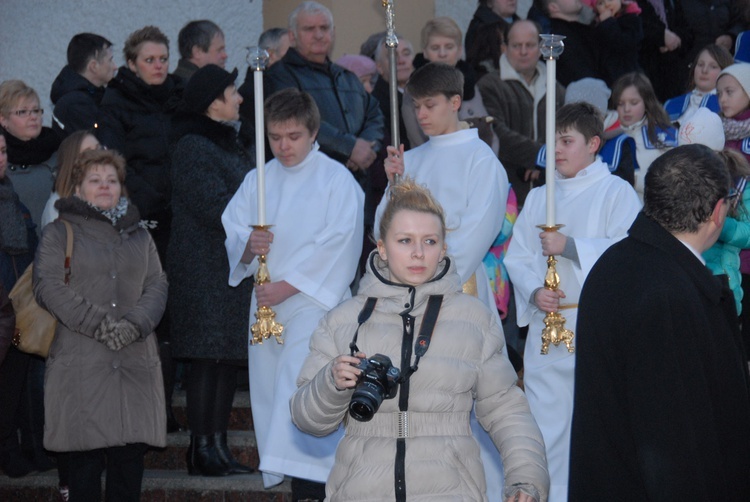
x,y
365,402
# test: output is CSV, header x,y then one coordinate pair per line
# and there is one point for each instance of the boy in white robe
x,y
316,209
597,210
468,180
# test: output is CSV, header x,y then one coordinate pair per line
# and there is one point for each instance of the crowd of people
x,y
411,279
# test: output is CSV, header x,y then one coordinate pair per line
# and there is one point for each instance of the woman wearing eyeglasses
x,y
32,148
31,152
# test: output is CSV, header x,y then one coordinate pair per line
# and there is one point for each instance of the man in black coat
x,y
662,407
79,88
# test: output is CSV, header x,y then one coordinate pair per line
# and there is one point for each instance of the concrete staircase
x,y
166,478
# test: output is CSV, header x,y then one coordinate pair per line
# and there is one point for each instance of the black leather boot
x,y
225,454
12,461
203,458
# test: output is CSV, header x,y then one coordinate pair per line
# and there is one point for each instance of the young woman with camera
x,y
410,313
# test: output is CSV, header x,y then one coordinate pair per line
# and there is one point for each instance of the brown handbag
x,y
35,327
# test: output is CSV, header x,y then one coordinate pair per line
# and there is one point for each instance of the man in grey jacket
x,y
351,128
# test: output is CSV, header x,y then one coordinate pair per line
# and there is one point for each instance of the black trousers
x,y
124,466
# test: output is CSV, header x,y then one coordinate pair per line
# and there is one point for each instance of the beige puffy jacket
x,y
464,364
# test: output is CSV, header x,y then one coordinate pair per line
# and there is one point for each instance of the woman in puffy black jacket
x,y
137,107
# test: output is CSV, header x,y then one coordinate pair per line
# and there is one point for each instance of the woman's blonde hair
x,y
410,196
13,91
442,27
67,154
139,37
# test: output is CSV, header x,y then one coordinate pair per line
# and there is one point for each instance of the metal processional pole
x,y
391,41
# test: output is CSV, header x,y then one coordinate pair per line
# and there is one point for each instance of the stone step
x,y
241,443
240,419
158,486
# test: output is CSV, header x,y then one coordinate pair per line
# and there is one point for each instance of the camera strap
x,y
425,331
362,318
425,334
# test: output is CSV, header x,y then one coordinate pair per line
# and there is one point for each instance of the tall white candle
x,y
549,178
551,47
260,144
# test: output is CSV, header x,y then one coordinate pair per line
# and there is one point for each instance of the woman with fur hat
x,y
209,318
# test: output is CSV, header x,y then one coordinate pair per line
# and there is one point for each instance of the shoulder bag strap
x,y
68,249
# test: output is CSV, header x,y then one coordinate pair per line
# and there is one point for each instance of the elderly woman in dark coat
x,y
208,317
103,395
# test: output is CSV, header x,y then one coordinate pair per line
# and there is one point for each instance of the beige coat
x,y
95,397
463,365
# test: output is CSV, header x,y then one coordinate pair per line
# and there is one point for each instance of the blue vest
x,y
675,107
745,146
610,153
667,137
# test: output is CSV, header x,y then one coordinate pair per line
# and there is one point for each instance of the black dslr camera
x,y
377,381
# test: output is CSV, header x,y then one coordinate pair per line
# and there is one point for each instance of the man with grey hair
x,y
661,402
351,129
275,41
200,43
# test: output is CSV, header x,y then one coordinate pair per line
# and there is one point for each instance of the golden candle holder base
x,y
265,326
554,331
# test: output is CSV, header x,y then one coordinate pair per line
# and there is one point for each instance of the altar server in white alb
x,y
464,175
597,209
458,168
316,209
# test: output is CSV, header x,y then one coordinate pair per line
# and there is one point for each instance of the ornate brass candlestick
x,y
265,326
554,330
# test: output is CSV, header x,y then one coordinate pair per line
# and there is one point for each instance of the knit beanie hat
x,y
704,127
589,90
740,71
206,84
359,65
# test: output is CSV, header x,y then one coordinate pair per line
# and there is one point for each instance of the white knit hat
x,y
740,71
589,90
704,127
